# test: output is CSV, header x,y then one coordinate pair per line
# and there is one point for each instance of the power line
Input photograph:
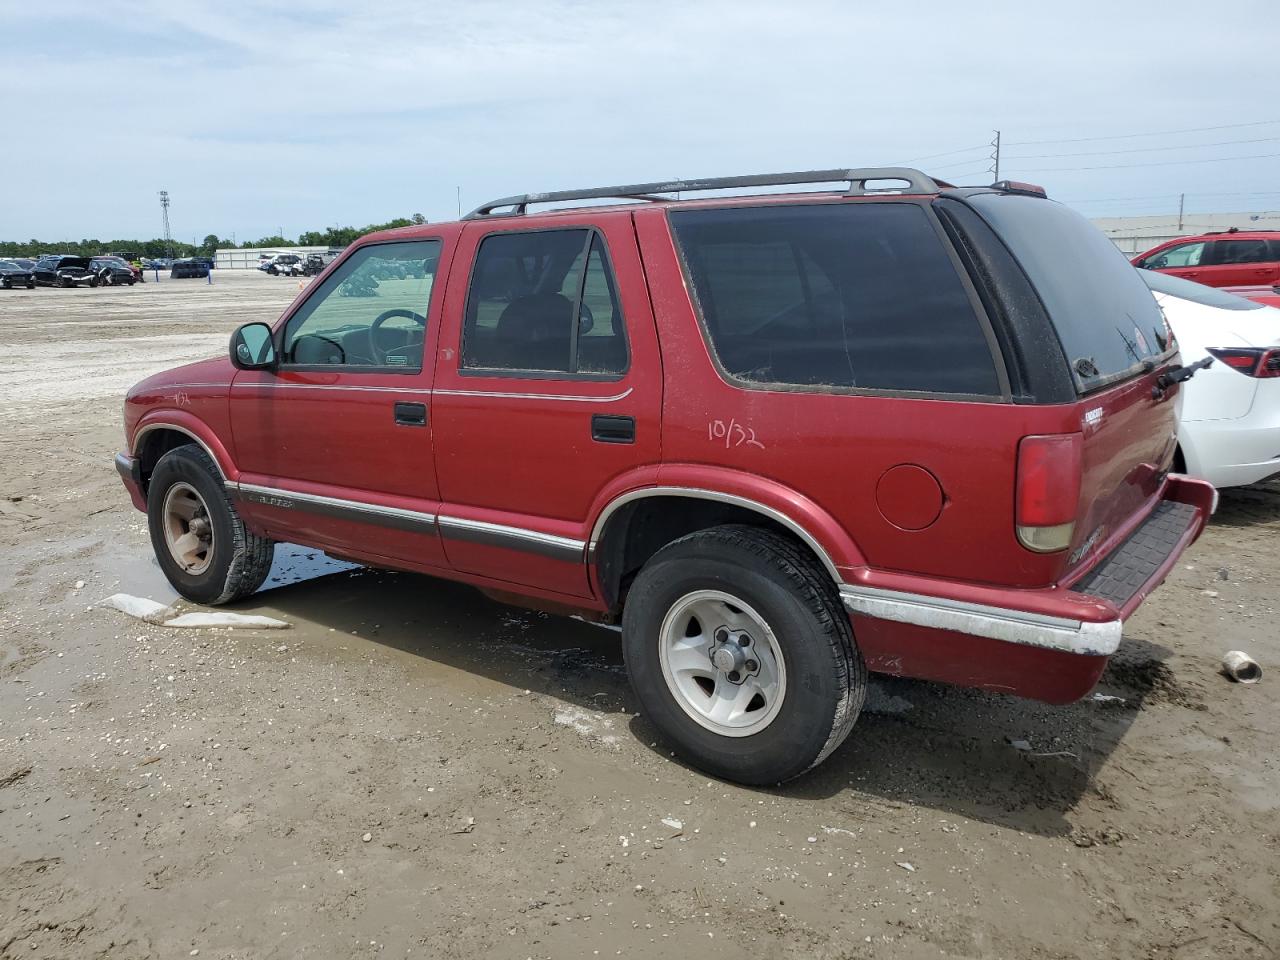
x,y
1157,133
1185,146
903,163
1161,163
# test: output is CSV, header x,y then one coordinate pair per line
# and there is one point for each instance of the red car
x,y
1269,296
783,440
1236,258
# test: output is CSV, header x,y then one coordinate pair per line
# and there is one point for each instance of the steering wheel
x,y
380,355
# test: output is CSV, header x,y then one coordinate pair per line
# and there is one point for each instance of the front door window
x,y
370,313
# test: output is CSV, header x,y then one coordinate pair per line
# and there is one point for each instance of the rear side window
x,y
1106,319
1227,252
842,296
526,291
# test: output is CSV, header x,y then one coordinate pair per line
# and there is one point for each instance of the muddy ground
x,y
414,770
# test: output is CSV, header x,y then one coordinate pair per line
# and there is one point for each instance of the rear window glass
x,y
849,295
1196,292
1105,316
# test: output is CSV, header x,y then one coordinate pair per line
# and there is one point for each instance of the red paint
x,y
1217,266
1269,296
903,650
903,494
909,496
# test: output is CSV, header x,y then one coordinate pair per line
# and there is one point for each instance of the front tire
x,y
201,543
741,654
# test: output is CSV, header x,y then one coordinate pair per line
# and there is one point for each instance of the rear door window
x,y
1231,252
526,289
1106,319
834,296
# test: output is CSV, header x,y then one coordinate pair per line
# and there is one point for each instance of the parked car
x,y
64,271
1268,296
782,440
187,268
26,263
1229,428
1235,258
13,274
112,271
283,264
315,263
207,261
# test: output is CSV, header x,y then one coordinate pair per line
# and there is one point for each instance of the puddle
x,y
140,574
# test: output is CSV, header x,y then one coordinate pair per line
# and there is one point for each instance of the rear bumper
x,y
1050,643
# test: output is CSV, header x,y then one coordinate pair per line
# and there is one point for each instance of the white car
x,y
1229,430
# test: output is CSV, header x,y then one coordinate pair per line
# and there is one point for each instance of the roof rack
x,y
857,179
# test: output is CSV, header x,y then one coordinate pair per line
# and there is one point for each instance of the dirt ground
x,y
414,770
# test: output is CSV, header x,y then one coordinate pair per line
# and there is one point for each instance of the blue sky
x,y
263,116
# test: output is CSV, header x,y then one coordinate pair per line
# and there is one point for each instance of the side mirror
x,y
252,347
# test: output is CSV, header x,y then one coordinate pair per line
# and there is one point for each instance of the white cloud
x,y
256,116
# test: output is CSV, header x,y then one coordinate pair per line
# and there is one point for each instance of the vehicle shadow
x,y
1248,506
916,745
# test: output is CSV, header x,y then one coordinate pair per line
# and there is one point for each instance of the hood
x,y
210,373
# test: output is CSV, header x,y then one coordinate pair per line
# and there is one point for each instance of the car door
x,y
1180,260
1238,262
335,444
548,388
43,270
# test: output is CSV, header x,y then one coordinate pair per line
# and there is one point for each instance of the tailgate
x,y
1129,443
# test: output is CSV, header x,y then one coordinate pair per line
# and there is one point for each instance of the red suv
x,y
783,440
1232,259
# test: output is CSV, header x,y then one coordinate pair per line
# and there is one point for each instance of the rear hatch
x,y
1115,342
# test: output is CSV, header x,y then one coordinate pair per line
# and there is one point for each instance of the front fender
x,y
192,426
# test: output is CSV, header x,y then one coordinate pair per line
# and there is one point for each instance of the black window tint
x,y
1227,252
526,289
851,295
1105,317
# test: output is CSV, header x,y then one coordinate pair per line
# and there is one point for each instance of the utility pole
x,y
164,209
995,158
1182,199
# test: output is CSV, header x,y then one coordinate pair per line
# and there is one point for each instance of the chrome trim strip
x,y
981,620
453,528
513,538
173,426
533,396
259,385
701,494
395,517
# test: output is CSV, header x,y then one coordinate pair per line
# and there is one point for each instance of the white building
x,y
1133,235
247,258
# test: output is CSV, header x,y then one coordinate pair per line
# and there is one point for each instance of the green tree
x,y
211,244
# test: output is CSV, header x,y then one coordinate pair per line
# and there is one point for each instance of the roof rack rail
x,y
857,178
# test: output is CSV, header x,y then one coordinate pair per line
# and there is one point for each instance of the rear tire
x,y
201,543
763,594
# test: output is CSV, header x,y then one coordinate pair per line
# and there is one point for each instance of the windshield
x,y
1196,292
9,265
1107,321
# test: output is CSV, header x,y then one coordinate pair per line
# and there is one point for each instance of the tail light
x,y
1048,490
1260,362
